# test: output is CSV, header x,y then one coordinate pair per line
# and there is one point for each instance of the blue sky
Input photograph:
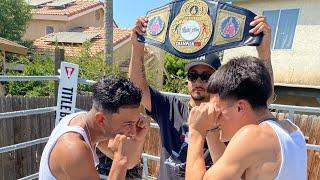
x,y
125,12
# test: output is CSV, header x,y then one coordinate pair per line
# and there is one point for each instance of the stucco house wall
x,y
301,64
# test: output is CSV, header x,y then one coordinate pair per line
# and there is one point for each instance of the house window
x,y
283,24
49,29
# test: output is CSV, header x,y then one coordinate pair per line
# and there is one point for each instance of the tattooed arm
x,y
264,52
267,63
136,68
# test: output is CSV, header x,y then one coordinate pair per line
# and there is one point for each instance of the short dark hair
x,y
242,78
112,92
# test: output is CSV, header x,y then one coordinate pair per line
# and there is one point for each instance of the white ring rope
x,y
23,145
29,78
27,112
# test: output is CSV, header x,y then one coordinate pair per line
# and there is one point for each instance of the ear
x,y
99,118
243,105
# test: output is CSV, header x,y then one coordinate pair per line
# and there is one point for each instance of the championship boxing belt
x,y
193,28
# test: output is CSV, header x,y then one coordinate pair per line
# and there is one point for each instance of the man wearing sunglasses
x,y
170,112
199,71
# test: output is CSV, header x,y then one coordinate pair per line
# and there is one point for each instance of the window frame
x,y
277,27
47,29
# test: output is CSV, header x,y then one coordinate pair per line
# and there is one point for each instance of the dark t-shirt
x,y
172,115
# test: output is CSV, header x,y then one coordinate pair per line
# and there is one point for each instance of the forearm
x,y
118,169
265,55
103,147
137,74
268,64
216,147
136,152
136,155
136,67
195,160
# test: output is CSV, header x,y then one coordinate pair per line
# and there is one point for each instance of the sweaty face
x,y
229,119
196,85
124,122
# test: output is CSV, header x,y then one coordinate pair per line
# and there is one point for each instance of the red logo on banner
x,y
69,71
229,27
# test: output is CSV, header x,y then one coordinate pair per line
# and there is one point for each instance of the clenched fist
x,y
203,118
120,145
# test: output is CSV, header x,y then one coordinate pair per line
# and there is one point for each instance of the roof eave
x,y
58,17
121,43
13,48
85,12
52,17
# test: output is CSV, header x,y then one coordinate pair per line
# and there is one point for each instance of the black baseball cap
x,y
212,60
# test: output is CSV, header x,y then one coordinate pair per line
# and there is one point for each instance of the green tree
x,y
93,67
14,16
175,75
38,66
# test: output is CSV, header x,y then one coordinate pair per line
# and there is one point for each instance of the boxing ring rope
x,y
32,176
29,78
23,145
86,82
27,112
145,157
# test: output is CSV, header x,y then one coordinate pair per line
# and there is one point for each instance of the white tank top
x,y
293,152
62,128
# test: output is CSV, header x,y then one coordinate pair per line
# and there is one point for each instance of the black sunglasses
x,y
193,76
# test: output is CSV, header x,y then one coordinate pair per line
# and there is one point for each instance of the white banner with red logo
x,y
67,92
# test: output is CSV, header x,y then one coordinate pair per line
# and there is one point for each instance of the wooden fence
x,y
24,162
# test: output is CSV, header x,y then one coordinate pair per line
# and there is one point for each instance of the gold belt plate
x,y
191,29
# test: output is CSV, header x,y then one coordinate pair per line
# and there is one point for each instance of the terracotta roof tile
x,y
97,44
69,10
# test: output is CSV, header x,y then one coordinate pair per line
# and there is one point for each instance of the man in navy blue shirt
x,y
171,113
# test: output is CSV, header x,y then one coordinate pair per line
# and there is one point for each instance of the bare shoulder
x,y
255,141
253,132
252,146
244,151
73,157
75,145
74,149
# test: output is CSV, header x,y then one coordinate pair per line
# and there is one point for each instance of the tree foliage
x,y
36,66
175,75
14,16
92,67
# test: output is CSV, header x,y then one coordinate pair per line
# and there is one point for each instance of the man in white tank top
x,y
114,125
260,146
